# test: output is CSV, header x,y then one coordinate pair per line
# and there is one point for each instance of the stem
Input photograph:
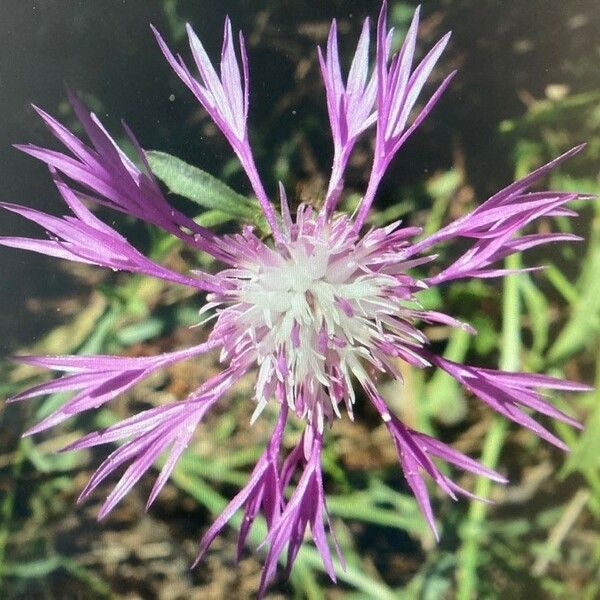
x,y
492,446
511,317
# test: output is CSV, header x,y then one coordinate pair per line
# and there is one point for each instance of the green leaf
x,y
441,188
358,506
201,187
584,323
585,455
212,218
443,397
140,332
537,311
561,283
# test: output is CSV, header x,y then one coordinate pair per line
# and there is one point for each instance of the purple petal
x,y
233,506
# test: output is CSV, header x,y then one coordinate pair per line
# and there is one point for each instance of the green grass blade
x,y
509,361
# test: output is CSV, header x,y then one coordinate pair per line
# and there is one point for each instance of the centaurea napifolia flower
x,y
321,307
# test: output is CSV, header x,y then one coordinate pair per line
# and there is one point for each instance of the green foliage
x,y
203,189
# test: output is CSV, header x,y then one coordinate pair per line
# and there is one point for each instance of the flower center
x,y
313,313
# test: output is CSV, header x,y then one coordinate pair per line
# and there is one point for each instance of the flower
x,y
320,306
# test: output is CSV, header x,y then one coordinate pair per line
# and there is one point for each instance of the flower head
x,y
319,310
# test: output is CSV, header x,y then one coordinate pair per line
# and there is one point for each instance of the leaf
x,y
212,218
201,187
584,323
444,398
140,332
585,455
359,506
537,311
441,188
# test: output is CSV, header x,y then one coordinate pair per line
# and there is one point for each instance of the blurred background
x,y
528,88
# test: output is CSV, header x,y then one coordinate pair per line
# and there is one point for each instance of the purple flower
x,y
320,306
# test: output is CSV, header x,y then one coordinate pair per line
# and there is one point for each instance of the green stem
x,y
492,446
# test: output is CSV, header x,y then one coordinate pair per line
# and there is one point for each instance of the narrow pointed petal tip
x,y
434,530
383,9
26,359
158,37
575,150
498,478
28,432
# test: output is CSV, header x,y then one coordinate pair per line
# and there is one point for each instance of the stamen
x,y
314,309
